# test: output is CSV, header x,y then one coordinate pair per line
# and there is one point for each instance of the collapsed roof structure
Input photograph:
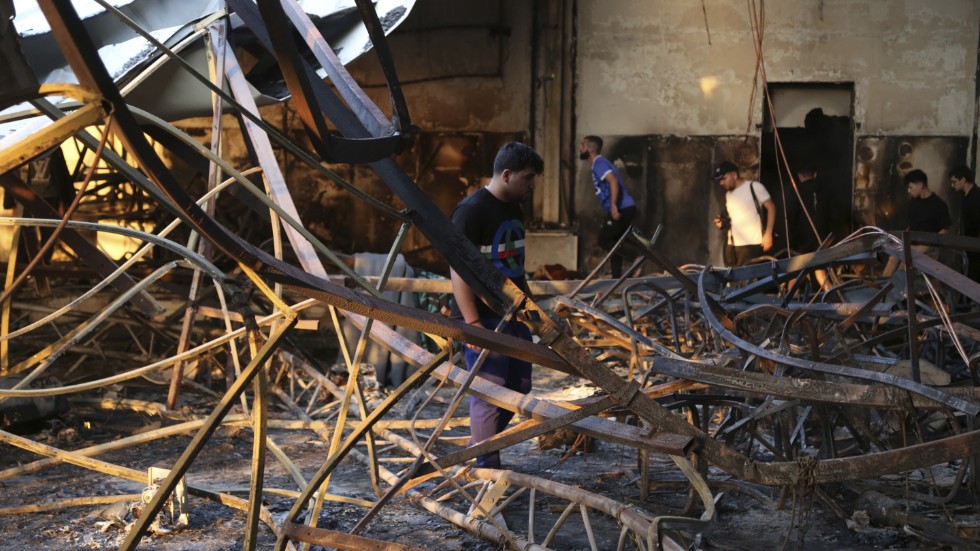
x,y
749,371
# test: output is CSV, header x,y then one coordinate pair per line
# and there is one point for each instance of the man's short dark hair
x,y
806,170
515,156
962,171
917,177
596,141
806,164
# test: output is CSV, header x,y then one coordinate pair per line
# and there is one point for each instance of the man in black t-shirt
x,y
808,221
491,217
927,213
961,178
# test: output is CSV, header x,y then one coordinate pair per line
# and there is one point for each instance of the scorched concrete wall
x,y
682,67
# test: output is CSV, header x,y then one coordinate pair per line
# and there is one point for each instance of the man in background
x,y
927,213
961,178
808,215
613,196
749,236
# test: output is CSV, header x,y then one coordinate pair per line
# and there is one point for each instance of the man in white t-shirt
x,y
744,202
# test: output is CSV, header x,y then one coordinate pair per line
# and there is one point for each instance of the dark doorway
x,y
816,126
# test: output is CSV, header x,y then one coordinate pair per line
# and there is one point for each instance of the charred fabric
x,y
750,375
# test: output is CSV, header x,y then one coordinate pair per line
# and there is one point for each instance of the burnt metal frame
x,y
621,392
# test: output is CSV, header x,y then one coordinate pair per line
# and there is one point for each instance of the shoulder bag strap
x,y
758,207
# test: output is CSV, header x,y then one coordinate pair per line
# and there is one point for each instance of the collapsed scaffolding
x,y
750,371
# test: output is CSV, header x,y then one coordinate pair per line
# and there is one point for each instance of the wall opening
x,y
816,124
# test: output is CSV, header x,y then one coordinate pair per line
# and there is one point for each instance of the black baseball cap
x,y
723,168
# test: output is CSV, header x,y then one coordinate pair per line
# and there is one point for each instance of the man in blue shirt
x,y
613,196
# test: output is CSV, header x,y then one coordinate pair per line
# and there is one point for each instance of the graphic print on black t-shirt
x,y
506,252
497,229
